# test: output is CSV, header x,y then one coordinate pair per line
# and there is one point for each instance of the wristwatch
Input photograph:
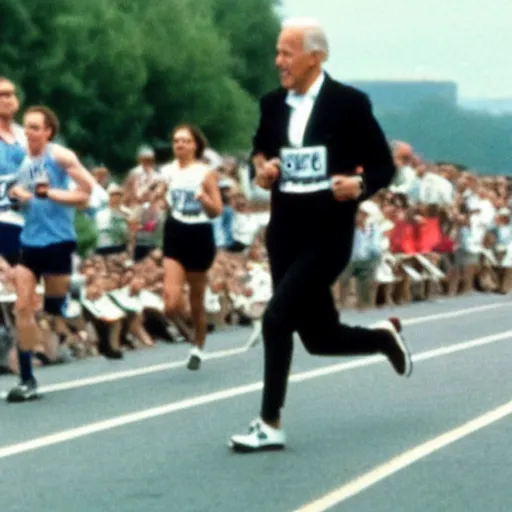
x,y
41,191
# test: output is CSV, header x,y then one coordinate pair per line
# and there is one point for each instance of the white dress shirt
x,y
302,105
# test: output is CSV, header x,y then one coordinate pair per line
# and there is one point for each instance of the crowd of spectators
x,y
439,229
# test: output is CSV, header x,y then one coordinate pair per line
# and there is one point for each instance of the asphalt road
x,y
145,434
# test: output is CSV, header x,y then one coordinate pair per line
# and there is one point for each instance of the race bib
x,y
304,170
184,202
33,174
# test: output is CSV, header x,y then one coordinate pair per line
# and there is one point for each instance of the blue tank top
x,y
46,222
11,157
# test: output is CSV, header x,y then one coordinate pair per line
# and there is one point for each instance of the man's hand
x,y
347,188
18,192
267,173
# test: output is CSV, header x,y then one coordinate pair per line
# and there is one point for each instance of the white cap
x,y
146,152
114,188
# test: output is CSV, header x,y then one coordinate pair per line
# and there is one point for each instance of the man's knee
x,y
274,325
310,340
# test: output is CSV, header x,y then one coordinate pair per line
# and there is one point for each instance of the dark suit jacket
x,y
343,121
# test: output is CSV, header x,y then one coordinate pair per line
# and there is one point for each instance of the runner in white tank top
x,y
189,246
184,184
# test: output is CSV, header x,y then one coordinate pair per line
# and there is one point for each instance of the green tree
x,y
121,72
17,31
188,66
251,28
86,234
92,73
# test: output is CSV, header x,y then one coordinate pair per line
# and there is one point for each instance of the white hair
x,y
315,39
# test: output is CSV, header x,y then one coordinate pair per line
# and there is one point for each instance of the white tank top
x,y
183,185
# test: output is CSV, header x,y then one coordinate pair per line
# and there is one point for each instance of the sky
x,y
465,41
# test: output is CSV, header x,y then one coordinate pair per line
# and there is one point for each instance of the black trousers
x,y
303,273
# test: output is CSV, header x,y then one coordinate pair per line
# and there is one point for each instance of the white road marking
x,y
127,374
405,459
145,414
454,314
221,354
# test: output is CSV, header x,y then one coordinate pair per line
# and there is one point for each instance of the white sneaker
x,y
194,358
260,437
395,349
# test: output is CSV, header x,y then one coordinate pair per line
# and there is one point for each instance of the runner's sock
x,y
25,361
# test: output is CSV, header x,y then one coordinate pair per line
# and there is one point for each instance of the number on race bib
x,y
184,201
304,170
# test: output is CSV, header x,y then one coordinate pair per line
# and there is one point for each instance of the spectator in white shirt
x,y
405,174
102,176
431,188
487,209
502,230
471,236
245,225
366,253
112,224
470,193
142,178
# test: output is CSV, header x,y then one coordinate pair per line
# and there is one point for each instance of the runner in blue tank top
x,y
48,238
12,152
